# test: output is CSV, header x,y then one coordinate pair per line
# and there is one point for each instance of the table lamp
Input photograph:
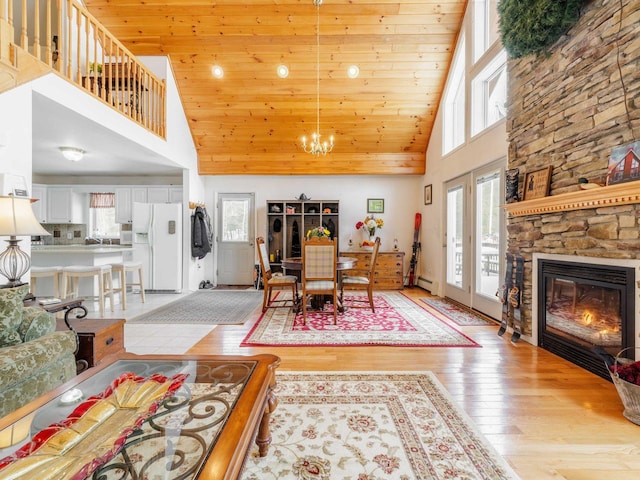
x,y
16,219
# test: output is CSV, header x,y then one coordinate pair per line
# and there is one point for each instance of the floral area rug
x,y
460,316
397,321
365,426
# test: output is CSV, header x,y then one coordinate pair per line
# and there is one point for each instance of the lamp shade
x,y
17,217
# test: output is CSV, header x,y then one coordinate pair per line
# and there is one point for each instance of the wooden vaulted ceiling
x,y
251,121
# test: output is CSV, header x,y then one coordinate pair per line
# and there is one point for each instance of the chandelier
x,y
316,147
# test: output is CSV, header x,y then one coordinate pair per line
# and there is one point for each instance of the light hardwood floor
x,y
547,417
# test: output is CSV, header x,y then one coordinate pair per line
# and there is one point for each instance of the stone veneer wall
x,y
568,110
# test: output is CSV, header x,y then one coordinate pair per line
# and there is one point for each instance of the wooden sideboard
x,y
389,274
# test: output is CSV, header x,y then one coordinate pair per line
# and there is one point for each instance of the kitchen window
x,y
102,217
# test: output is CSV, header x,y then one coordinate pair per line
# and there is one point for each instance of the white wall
x,y
15,152
182,149
487,147
401,194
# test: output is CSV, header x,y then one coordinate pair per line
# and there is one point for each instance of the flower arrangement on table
x,y
369,225
318,232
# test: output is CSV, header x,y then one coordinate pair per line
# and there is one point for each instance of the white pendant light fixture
x,y
72,154
316,146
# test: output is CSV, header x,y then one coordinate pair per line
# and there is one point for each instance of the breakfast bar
x,y
73,255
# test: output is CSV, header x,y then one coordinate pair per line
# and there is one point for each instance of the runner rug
x,y
211,307
460,316
365,425
397,321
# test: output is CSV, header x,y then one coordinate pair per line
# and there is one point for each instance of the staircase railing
x,y
67,38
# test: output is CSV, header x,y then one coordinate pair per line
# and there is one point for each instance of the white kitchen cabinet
x,y
64,205
175,195
158,195
139,194
123,205
125,197
39,192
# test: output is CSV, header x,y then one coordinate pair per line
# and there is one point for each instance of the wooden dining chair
x,y
319,272
277,282
361,283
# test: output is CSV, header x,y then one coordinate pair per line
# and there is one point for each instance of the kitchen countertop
x,y
93,249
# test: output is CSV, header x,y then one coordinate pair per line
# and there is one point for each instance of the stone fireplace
x,y
568,110
582,304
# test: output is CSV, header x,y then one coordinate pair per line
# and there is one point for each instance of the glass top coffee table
x,y
202,430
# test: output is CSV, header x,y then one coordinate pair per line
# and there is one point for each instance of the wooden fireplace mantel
x,y
611,195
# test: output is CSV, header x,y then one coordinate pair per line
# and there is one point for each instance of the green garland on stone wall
x,y
531,26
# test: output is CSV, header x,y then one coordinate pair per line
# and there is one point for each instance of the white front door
x,y
236,238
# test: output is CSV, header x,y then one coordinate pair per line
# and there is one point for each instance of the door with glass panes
x,y
475,238
236,238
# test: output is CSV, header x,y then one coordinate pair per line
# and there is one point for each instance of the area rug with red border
x,y
397,321
458,314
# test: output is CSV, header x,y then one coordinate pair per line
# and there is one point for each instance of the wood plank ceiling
x,y
251,121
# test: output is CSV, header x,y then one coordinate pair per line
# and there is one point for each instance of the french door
x,y
236,238
474,233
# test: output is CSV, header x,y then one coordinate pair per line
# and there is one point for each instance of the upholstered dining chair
x,y
276,282
361,283
319,272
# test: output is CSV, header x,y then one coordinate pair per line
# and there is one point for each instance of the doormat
x,y
459,315
366,425
213,307
397,321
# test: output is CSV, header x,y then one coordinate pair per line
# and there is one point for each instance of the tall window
x,y
102,216
489,94
454,102
485,26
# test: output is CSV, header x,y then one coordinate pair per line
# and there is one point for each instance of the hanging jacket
x,y
296,248
200,233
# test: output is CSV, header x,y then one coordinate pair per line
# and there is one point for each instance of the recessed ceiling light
x,y
217,71
353,71
282,71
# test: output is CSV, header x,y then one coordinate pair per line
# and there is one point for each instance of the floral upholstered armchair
x,y
34,358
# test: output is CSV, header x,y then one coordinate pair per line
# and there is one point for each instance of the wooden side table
x,y
98,338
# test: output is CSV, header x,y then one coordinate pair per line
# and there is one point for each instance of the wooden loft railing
x,y
69,40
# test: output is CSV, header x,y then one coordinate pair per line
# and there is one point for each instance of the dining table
x,y
343,263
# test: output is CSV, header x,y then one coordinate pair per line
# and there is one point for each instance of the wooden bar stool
x,y
122,269
105,281
45,272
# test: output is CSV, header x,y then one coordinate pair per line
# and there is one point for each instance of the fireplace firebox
x,y
582,306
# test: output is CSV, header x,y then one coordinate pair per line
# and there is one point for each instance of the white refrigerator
x,y
157,243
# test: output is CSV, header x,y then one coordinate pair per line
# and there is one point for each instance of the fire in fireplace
x,y
582,306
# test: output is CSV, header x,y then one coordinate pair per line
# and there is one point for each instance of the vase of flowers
x,y
318,232
370,225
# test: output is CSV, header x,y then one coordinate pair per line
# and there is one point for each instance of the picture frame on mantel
x,y
537,183
623,163
427,194
375,205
